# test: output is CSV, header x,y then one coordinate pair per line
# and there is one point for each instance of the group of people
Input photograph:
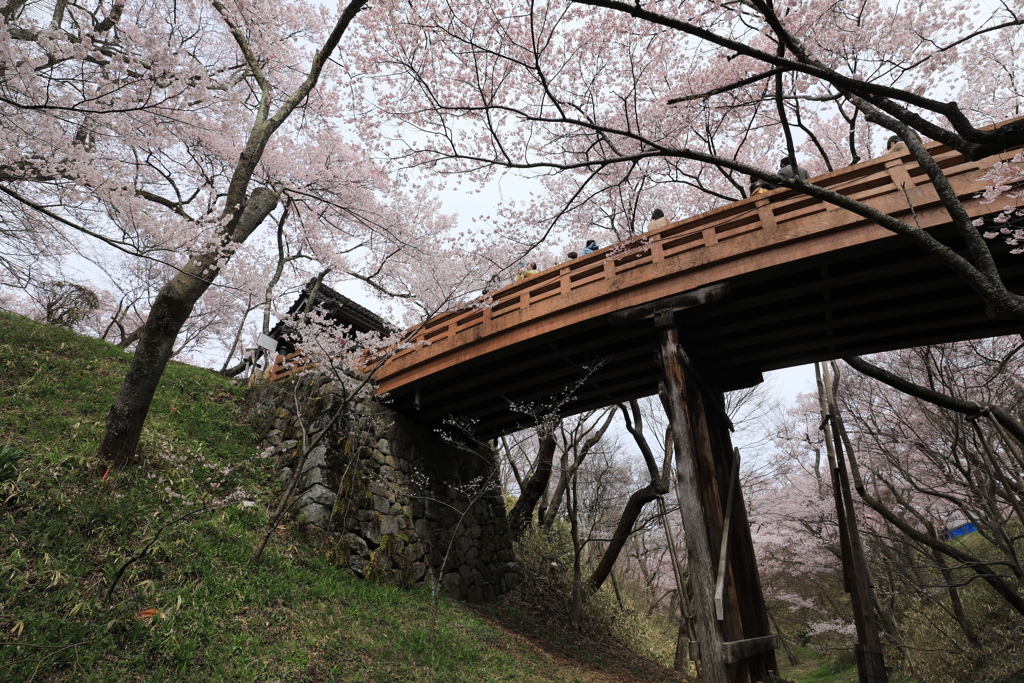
x,y
787,169
658,220
531,268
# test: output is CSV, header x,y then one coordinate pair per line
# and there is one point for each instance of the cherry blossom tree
x,y
143,132
624,107
926,458
794,526
934,438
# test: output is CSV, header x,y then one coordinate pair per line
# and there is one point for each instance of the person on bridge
x,y
895,145
571,255
658,220
758,186
590,248
529,272
786,166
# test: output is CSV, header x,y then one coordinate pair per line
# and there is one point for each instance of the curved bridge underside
x,y
765,283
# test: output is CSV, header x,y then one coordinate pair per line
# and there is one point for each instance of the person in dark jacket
x,y
786,166
658,220
758,186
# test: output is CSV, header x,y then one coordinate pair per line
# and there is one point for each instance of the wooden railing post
x,y
765,214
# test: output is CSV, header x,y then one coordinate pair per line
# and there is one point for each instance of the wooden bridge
x,y
784,278
705,305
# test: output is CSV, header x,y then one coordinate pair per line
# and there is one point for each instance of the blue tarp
x,y
961,530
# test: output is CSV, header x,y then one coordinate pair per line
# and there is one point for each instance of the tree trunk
x,y
237,369
129,339
954,597
984,570
234,342
126,417
551,511
171,309
522,512
793,659
542,507
634,506
572,506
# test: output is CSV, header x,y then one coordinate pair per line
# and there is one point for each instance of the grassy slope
x,y
816,668
67,526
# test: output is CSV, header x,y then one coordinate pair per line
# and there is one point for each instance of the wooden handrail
x,y
893,183
869,182
286,366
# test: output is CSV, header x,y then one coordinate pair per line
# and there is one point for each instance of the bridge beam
x,y
704,456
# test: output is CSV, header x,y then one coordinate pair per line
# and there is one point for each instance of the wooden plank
x,y
766,215
937,306
723,550
697,297
738,650
899,174
507,382
751,357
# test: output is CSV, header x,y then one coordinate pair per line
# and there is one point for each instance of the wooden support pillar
x,y
747,581
704,459
714,467
698,548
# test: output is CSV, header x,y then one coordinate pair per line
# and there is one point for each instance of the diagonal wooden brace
x,y
723,550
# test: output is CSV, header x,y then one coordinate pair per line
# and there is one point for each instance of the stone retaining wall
x,y
393,501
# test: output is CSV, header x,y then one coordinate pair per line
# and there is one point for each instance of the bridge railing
x,y
287,365
867,182
887,182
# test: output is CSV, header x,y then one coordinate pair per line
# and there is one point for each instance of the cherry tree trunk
x,y
522,512
634,506
172,307
156,343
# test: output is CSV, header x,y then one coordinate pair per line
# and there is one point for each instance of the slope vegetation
x,y
143,574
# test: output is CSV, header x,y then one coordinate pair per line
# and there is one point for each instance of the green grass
x,y
817,668
67,525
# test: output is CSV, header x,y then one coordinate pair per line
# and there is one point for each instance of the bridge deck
x,y
808,281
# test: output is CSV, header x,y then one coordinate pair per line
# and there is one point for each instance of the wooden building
x,y
344,312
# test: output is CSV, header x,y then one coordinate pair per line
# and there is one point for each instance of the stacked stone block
x,y
394,501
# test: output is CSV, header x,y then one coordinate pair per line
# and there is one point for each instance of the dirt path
x,y
539,618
